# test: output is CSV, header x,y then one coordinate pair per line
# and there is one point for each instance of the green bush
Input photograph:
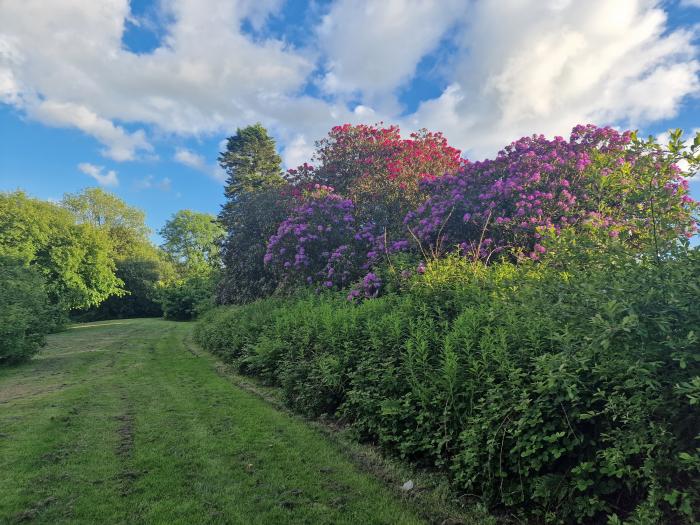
x,y
187,298
560,396
25,313
141,297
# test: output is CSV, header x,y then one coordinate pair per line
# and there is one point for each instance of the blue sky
x,y
138,96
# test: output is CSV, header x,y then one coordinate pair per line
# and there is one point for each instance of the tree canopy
x,y
74,258
250,161
125,225
192,240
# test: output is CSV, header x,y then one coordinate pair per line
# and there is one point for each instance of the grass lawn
x,y
118,422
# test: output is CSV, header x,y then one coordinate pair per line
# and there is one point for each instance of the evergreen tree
x,y
250,161
253,209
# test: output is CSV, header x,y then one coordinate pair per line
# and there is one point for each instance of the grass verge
x,y
118,422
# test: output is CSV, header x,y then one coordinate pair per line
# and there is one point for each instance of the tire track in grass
x,y
147,432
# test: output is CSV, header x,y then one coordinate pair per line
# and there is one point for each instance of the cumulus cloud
x,y
109,179
548,65
189,158
374,47
515,67
197,162
297,151
65,63
120,145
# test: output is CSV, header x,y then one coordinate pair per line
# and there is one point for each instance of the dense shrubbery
x,y
623,187
562,395
550,364
26,315
188,297
600,177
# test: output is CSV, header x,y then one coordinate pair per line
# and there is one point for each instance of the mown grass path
x,y
118,422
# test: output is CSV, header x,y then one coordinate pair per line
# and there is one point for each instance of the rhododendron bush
x,y
373,194
379,170
320,242
533,324
535,187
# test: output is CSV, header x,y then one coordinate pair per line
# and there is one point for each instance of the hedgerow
x,y
559,396
528,324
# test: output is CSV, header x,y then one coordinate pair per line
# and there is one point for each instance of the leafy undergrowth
x,y
558,393
117,422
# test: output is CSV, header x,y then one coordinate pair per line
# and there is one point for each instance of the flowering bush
x,y
607,184
378,169
320,242
599,177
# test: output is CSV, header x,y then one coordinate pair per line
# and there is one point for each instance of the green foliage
x,y
138,264
255,205
125,225
141,299
192,244
559,395
191,239
188,297
250,222
75,259
250,161
25,313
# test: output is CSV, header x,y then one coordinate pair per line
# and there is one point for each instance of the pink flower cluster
x,y
373,193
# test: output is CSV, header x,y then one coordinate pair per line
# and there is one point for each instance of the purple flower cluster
x,y
368,288
535,185
321,242
599,179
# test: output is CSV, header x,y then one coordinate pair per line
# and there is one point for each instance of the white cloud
x,y
120,145
189,158
537,66
150,182
374,47
297,151
690,3
108,179
196,161
518,67
64,63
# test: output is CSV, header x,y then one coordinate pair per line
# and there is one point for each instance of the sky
x,y
138,96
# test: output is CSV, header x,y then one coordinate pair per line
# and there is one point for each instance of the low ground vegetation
x,y
559,395
124,422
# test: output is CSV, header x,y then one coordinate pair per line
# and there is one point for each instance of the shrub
x,y
387,194
628,188
25,313
559,395
188,297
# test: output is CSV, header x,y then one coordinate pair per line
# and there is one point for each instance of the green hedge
x,y
556,396
26,315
